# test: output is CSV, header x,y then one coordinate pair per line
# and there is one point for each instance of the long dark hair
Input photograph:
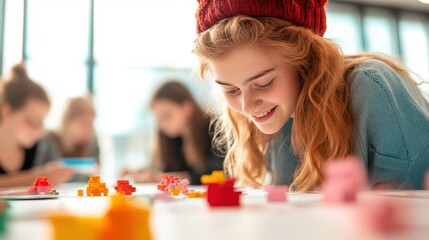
x,y
169,150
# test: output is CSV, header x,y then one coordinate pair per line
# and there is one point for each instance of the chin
x,y
268,130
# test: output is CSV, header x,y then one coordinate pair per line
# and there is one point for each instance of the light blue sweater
x,y
391,133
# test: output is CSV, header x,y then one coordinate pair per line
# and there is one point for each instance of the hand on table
x,y
142,176
56,172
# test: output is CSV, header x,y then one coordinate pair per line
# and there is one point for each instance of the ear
x,y
6,111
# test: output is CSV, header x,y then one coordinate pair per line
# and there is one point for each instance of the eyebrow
x,y
259,75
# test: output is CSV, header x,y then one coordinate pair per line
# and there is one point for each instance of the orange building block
x,y
80,192
96,188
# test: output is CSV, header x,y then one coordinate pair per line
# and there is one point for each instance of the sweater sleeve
x,y
391,121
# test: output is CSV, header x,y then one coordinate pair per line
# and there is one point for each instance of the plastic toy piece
x,y
3,217
40,186
385,216
223,194
54,192
80,193
123,220
69,227
96,188
195,194
344,179
126,220
276,193
173,185
215,177
124,187
166,180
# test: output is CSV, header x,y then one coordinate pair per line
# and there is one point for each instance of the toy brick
x,y
215,177
276,193
80,192
344,179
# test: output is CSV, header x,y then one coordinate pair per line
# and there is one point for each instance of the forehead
x,y
242,63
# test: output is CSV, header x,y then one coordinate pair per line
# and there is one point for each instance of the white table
x,y
302,217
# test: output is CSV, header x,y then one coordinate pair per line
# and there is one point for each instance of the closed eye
x,y
266,85
232,92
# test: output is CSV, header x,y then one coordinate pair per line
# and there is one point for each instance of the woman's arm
x,y
56,173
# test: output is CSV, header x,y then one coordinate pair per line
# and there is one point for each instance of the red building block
x,y
40,186
125,187
223,194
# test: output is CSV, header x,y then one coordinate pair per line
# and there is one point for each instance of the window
x,y
57,49
343,27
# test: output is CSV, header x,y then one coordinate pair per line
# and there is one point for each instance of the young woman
x,y
184,143
76,137
295,102
23,107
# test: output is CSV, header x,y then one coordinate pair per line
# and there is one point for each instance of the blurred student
x,y
183,142
76,137
23,107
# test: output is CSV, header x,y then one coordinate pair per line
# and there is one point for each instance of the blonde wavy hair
x,y
323,123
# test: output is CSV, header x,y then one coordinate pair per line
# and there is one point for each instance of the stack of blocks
x,y
95,187
220,191
276,193
124,186
344,179
40,185
173,185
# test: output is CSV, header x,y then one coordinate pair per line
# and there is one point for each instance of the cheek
x,y
234,103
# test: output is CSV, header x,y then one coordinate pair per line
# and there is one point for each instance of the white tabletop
x,y
302,217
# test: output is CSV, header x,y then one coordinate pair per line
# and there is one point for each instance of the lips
x,y
265,115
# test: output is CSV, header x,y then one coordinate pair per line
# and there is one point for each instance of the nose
x,y
249,103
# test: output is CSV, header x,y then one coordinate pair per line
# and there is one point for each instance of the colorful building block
x,y
223,194
54,192
70,227
3,217
125,219
125,187
276,193
80,193
343,180
215,177
40,186
385,216
173,185
96,188
196,194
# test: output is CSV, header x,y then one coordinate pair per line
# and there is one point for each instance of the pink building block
x,y
343,180
385,216
276,193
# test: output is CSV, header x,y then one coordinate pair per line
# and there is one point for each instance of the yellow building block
x,y
215,177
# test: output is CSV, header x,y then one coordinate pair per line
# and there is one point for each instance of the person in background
x,y
183,143
76,137
23,107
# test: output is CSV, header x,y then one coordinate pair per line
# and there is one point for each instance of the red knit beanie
x,y
307,13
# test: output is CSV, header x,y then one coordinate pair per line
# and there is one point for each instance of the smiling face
x,y
257,84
